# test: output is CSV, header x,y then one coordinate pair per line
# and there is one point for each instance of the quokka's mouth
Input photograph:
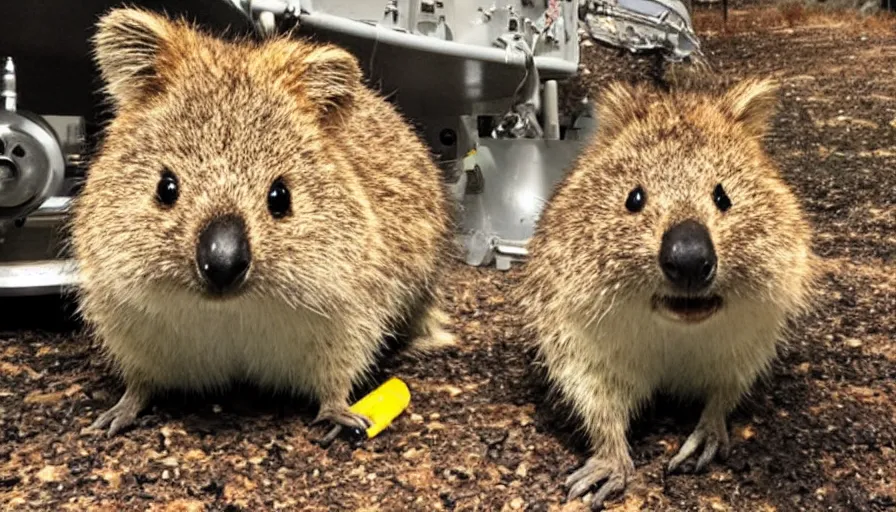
x,y
688,309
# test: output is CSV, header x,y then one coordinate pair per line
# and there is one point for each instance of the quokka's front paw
x,y
341,415
712,436
615,474
123,414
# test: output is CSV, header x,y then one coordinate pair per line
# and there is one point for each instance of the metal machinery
x,y
479,78
34,191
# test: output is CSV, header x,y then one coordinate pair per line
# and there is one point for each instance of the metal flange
x,y
32,164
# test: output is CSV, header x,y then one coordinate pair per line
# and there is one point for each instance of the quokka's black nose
x,y
223,255
687,256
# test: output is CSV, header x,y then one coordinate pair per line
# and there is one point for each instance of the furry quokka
x,y
256,213
671,258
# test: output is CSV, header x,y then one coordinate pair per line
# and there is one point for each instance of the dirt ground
x,y
819,435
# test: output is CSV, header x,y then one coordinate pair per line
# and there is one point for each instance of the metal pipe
x,y
322,21
551,111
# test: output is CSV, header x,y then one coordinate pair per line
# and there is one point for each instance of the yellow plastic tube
x,y
382,405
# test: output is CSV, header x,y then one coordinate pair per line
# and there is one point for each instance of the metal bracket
x,y
643,25
521,121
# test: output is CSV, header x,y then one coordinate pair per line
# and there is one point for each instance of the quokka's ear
x,y
325,77
618,105
332,78
132,47
752,104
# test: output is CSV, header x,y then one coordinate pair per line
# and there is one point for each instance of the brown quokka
x,y
255,213
672,258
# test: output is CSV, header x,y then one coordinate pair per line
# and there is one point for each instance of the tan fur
x,y
359,254
587,288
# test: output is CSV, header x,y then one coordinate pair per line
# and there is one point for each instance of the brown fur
x,y
593,268
359,253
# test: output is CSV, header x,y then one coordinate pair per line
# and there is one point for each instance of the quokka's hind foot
x,y
123,414
431,334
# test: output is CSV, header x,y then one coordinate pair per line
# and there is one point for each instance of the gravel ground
x,y
820,434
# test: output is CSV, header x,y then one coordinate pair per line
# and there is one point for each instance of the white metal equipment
x,y
479,78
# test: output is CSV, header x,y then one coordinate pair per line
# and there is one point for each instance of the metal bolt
x,y
8,93
447,137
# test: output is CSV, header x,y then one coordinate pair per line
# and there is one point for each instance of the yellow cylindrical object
x,y
383,405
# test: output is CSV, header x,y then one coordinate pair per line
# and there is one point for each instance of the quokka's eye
x,y
723,202
167,190
636,200
279,202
